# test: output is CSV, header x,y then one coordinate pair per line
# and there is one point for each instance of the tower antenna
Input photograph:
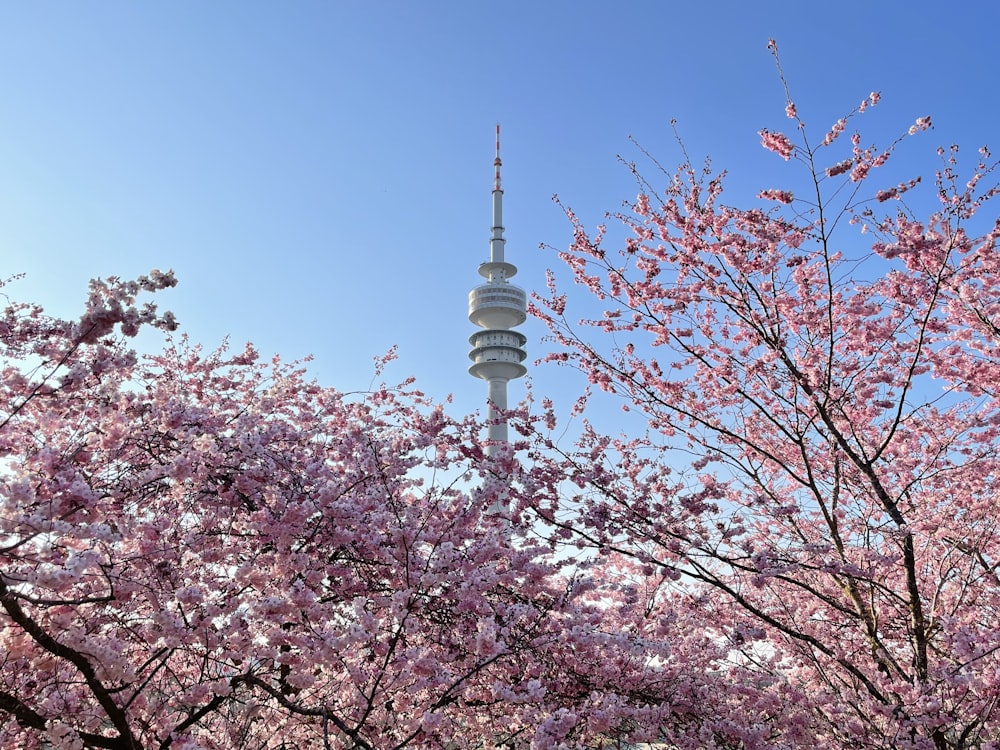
x,y
496,162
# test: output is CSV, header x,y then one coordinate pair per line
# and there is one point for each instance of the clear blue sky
x,y
318,173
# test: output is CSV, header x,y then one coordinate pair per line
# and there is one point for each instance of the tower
x,y
497,306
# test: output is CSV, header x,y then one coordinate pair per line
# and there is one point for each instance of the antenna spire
x,y
497,162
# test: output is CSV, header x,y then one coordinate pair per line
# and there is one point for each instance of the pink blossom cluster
x,y
840,168
834,132
870,101
781,196
895,192
922,123
777,142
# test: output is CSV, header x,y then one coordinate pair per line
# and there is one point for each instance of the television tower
x,y
497,306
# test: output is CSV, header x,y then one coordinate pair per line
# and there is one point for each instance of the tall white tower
x,y
497,306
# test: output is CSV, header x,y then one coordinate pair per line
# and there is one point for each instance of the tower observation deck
x,y
496,307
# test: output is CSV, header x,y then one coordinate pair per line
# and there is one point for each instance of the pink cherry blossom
x,y
781,196
813,482
777,142
839,168
205,549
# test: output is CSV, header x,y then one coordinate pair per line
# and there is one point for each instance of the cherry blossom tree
x,y
208,550
815,477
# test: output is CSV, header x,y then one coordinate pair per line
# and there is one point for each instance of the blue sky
x,y
318,173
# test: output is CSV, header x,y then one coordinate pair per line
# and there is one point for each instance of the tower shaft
x,y
496,392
